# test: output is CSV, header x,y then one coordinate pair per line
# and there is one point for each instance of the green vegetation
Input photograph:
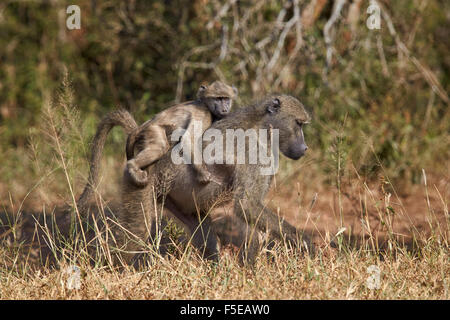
x,y
379,98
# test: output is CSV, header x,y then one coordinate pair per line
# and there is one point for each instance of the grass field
x,y
372,242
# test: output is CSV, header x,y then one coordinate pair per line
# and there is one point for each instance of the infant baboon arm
x,y
196,148
156,145
202,173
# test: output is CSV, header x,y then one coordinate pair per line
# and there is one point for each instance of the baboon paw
x,y
207,179
204,177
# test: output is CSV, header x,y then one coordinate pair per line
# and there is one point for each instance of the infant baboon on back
x,y
177,189
149,142
241,186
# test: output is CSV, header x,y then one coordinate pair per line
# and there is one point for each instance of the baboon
x,y
240,184
151,140
125,120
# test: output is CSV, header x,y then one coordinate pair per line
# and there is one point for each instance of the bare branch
x,y
429,76
311,11
337,8
222,12
295,20
298,42
202,65
382,56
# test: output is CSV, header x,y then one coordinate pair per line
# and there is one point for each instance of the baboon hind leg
x,y
142,231
205,239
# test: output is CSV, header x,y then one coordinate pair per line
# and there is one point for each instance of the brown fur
x,y
175,187
151,140
119,117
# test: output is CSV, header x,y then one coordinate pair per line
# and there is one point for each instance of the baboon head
x,y
218,97
288,115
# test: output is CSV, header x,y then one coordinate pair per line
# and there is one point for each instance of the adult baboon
x,y
241,184
151,140
148,142
127,208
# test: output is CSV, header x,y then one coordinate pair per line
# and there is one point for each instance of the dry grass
x,y
328,275
407,241
415,267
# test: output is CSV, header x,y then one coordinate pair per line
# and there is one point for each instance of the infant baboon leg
x,y
156,146
138,176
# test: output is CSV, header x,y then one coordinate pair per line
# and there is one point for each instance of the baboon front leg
x,y
242,236
203,237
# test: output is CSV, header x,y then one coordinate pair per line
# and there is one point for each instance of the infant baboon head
x,y
288,115
218,97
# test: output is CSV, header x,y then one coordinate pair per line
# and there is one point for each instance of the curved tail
x,y
130,144
119,117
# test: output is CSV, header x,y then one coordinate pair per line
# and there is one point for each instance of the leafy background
x,y
380,102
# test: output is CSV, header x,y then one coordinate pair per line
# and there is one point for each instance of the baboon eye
x,y
276,102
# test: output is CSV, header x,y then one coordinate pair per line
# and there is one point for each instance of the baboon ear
x,y
201,91
274,106
235,91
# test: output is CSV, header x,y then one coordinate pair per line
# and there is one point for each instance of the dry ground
x,y
405,234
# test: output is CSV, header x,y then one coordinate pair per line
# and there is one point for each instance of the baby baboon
x,y
243,185
151,140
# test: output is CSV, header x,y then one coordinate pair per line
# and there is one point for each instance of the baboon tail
x,y
119,117
130,145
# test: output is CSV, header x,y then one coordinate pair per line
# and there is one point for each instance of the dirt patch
x,y
365,210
